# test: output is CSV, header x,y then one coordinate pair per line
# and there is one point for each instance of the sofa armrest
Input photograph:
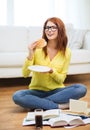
x,y
87,41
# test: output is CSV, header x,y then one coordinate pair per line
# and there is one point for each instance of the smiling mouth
x,y
50,35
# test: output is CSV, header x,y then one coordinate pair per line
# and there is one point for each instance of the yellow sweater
x,y
48,81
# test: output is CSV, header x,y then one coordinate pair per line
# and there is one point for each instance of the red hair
x,y
61,38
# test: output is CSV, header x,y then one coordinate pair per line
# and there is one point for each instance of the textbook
x,y
46,114
61,120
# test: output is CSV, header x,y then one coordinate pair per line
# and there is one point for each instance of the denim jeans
x,y
48,100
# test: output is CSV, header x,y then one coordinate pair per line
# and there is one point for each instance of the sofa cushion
x,y
76,38
13,39
12,59
69,29
87,41
80,56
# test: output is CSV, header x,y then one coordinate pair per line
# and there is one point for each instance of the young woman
x,y
47,90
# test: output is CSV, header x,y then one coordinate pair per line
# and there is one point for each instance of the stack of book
x,y
77,115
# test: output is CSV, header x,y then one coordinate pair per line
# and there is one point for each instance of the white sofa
x,y
13,49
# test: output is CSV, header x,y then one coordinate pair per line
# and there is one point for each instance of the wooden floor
x,y
11,115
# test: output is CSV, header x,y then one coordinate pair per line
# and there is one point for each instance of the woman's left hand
x,y
51,71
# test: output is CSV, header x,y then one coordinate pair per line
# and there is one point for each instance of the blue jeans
x,y
48,100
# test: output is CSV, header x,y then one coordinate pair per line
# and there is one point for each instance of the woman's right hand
x,y
31,48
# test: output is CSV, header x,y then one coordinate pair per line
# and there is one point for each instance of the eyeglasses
x,y
52,28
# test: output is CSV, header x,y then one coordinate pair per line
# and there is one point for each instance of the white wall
x,y
27,13
79,13
74,11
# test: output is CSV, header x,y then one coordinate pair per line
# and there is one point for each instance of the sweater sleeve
x,y
59,76
25,70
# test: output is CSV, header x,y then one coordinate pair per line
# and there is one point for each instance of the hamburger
x,y
41,43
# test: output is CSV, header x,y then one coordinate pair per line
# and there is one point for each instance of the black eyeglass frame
x,y
52,28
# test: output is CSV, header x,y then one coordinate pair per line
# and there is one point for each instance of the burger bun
x,y
41,43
